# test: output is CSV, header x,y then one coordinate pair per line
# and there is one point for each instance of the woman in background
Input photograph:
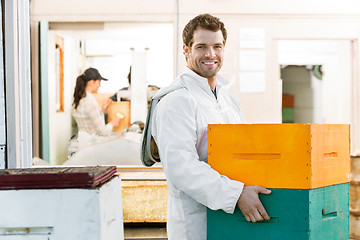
x,y
88,114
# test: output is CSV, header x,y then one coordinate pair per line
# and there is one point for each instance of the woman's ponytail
x,y
79,91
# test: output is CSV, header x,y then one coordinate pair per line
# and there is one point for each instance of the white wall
x,y
109,50
236,15
280,20
60,129
110,8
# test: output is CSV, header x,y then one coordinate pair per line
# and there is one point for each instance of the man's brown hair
x,y
205,21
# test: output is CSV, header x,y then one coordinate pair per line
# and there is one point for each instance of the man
x,y
179,128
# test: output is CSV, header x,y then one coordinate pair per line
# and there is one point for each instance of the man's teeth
x,y
209,63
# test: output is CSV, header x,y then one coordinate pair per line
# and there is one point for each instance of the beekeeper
x,y
179,128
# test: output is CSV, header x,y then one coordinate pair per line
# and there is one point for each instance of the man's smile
x,y
209,63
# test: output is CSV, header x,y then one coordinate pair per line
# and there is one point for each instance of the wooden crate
x,y
354,222
123,108
355,198
288,101
295,156
311,214
287,115
101,97
63,213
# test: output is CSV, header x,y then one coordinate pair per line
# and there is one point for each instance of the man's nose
x,y
210,52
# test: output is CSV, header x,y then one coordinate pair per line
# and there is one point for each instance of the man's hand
x,y
250,204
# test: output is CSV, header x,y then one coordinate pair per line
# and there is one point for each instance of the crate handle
x,y
256,156
328,215
331,155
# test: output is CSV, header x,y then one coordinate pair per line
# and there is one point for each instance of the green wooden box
x,y
314,214
287,115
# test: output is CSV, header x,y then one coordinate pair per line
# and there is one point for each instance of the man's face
x,y
205,56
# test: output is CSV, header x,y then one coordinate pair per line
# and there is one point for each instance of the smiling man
x,y
179,127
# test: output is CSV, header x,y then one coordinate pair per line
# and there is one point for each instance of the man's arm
x,y
175,132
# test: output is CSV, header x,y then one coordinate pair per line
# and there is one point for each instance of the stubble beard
x,y
208,73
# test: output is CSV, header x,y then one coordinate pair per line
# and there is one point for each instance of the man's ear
x,y
186,51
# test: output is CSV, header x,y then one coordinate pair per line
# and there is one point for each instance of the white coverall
x,y
179,128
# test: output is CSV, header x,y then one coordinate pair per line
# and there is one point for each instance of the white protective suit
x,y
179,128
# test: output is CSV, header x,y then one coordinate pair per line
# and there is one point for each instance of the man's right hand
x,y
250,204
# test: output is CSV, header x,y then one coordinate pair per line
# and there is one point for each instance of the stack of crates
x,y
307,167
288,104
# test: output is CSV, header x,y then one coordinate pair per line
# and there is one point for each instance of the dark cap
x,y
92,74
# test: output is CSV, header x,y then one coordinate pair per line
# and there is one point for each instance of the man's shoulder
x,y
179,99
180,94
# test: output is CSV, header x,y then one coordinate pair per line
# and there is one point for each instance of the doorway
x,y
302,93
316,79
